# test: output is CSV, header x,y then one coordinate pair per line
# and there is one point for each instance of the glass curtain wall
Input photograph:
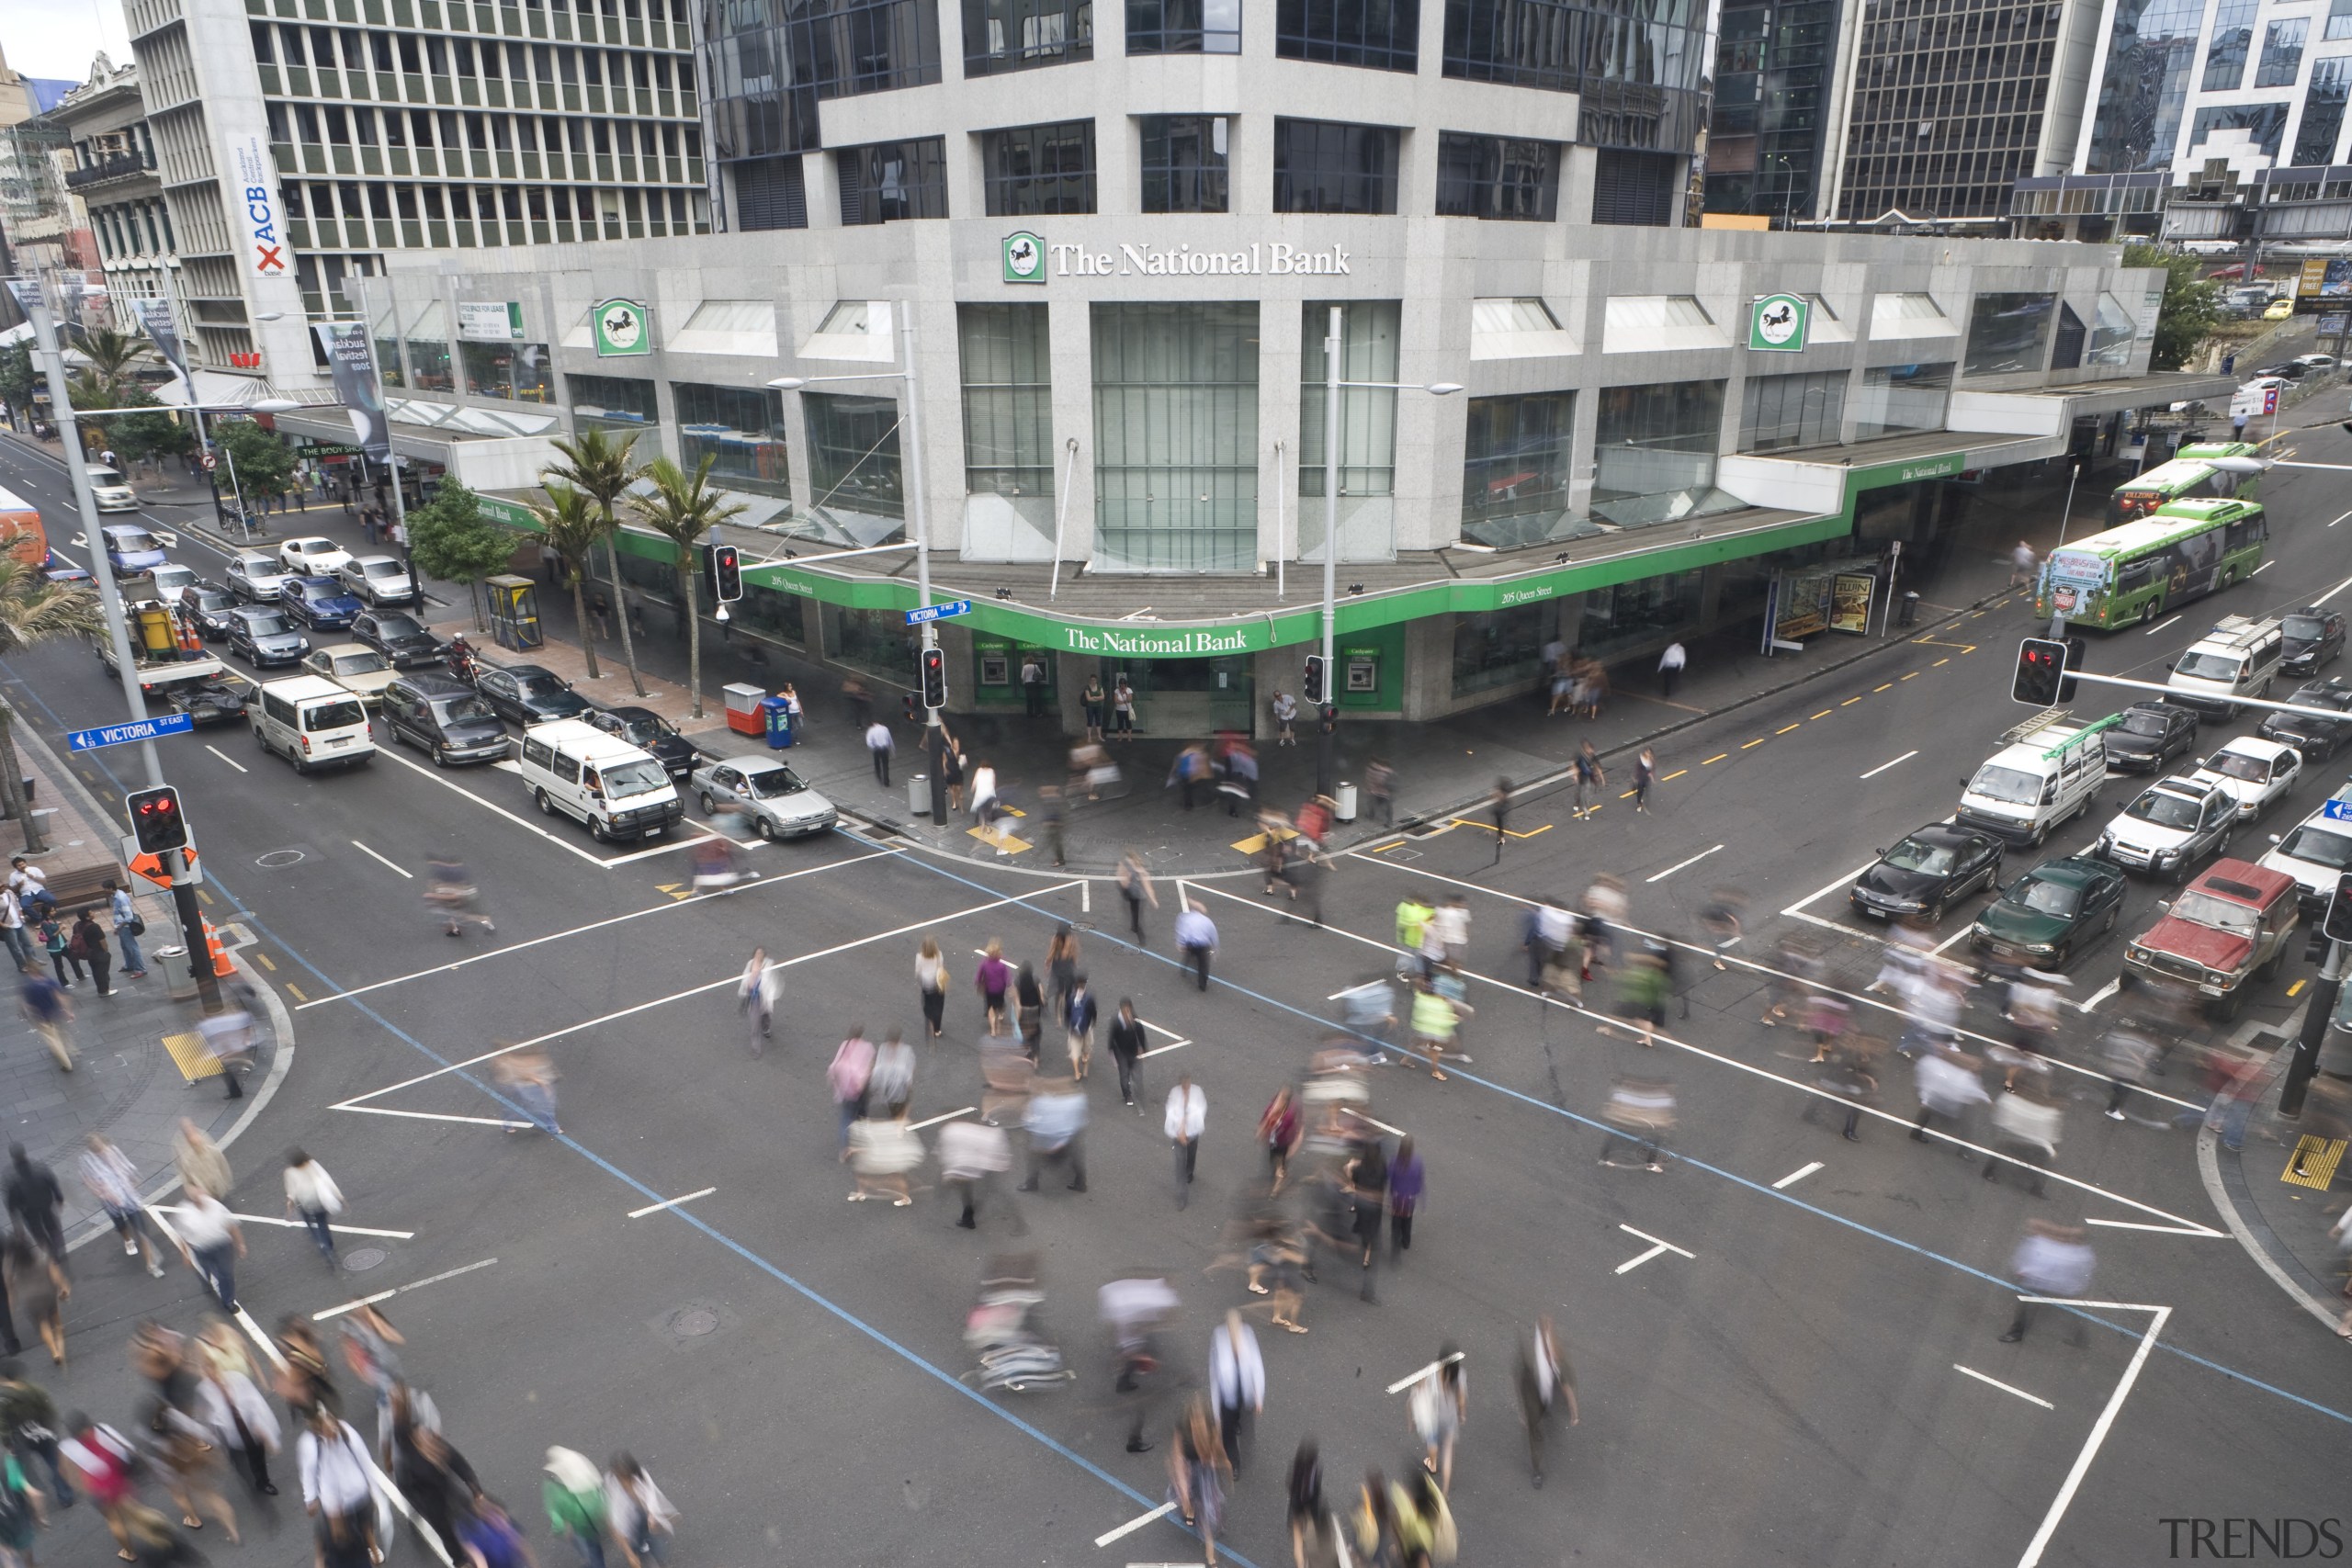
x,y
2008,333
853,461
1176,429
1184,162
1654,453
1008,401
1785,411
1368,333
1015,35
741,430
1515,471
1899,399
2151,53
617,403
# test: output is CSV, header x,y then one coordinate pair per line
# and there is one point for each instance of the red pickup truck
x,y
2226,926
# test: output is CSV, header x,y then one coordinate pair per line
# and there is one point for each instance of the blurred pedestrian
x,y
2026,1124
1197,1471
882,1151
847,1076
642,1519
1187,1113
1056,1119
1436,1020
1196,935
1645,778
232,1409
1669,668
1278,1133
1724,920
1078,1020
1367,1179
970,1152
336,1491
1029,1009
1126,1051
530,1079
1407,1179
36,1202
103,1463
2051,1260
37,1289
1641,1112
891,1083
1546,1382
1052,812
1135,886
1440,1405
2130,1052
1309,1515
1947,1086
88,943
1135,1308
1590,779
22,1516
2021,565
1236,1382
992,979
1380,791
46,1008
436,1479
314,1198
29,1429
756,994
573,1494
214,1240
879,745
1498,801
930,982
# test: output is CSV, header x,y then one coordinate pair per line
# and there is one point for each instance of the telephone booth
x,y
514,613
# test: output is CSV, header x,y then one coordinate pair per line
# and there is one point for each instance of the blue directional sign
x,y
2337,810
123,734
939,612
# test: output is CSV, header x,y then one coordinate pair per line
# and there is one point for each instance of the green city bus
x,y
2190,476
2138,571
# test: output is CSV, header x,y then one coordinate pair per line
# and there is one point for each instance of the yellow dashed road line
x,y
1758,741
1850,702
1825,713
1877,689
1913,674
1784,730
1937,665
1716,758
1680,771
297,991
263,959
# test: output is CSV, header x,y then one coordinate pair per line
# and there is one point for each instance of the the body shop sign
x,y
259,215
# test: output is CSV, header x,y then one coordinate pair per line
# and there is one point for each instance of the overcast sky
x,y
57,38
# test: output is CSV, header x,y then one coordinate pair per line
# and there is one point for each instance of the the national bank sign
x,y
1135,645
1028,259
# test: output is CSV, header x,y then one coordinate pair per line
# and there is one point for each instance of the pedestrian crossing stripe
x,y
2313,1162
1003,841
1255,844
190,1055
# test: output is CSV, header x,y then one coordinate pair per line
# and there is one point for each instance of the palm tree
x,y
598,464
33,610
113,356
569,522
682,509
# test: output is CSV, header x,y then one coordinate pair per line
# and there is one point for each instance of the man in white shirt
x,y
880,744
213,1238
312,1194
30,885
1236,1381
1187,1110
125,915
335,1477
12,928
1669,668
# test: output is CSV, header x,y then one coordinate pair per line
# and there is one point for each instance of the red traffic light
x,y
157,823
2042,671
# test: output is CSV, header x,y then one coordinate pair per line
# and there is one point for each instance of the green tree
x,y
2192,306
449,538
682,509
144,435
114,358
263,464
34,609
18,376
570,524
599,465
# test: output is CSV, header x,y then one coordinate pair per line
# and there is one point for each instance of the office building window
x,y
1324,166
1637,72
2232,36
1785,411
741,430
1184,163
519,371
893,180
851,46
1368,332
1384,35
2339,21
1515,468
2008,333
2071,336
1636,189
2322,108
1654,453
2112,333
854,454
769,194
1498,176
2267,122
1033,169
1183,26
2282,53
2152,55
1014,35
1008,400
616,403
1176,436
1500,648
1897,400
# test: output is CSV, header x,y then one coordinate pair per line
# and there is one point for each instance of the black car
x,y
400,637
2316,739
2315,637
444,717
209,701
1931,870
648,731
207,605
263,634
2148,736
529,694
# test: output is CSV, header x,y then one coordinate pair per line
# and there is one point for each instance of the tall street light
x,y
933,736
1328,697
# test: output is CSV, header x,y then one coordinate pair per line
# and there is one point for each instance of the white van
x,y
2049,769
2239,658
312,723
619,790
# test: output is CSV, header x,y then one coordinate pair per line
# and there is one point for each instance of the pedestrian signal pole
x,y
2335,929
164,853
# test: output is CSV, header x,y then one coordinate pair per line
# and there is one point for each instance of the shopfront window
x,y
517,371
1899,399
1008,400
614,402
741,430
1500,648
1176,428
854,454
2008,333
1633,613
1367,415
1515,471
1654,453
1784,411
426,338
772,613
878,641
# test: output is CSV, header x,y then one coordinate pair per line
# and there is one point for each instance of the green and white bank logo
x,y
1025,258
1778,322
619,328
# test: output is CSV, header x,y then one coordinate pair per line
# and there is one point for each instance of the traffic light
x,y
2042,670
1314,670
2338,922
934,678
725,573
156,821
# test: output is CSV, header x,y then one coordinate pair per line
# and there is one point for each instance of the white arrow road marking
x,y
1656,1246
2100,1427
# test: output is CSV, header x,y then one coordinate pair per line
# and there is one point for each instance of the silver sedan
x,y
778,801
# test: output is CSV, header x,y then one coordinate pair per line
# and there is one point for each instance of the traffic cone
x,y
221,965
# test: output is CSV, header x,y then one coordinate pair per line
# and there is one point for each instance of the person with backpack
x,y
336,1491
128,929
55,942
88,943
103,1464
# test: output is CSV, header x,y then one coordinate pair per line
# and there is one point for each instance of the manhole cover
x,y
280,857
365,1259
693,1323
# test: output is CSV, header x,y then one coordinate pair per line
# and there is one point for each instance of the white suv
x,y
2317,852
2257,773
2174,824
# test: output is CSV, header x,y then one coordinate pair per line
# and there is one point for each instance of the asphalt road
x,y
1790,1391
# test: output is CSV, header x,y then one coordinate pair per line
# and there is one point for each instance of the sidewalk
x,y
2281,1219
125,1084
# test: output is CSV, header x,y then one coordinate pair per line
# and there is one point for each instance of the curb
x,y
2267,1253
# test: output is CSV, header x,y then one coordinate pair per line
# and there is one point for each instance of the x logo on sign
x,y
269,260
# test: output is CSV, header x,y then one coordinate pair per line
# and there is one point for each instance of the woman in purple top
x,y
1405,1180
992,976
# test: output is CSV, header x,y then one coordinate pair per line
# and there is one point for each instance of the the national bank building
x,y
1118,234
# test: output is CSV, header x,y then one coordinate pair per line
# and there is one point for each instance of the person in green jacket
x,y
574,1495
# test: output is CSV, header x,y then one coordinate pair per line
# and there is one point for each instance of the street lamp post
x,y
1326,720
935,737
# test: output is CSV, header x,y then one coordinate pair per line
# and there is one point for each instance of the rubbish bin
x,y
1910,614
1343,802
776,716
919,794
179,977
743,708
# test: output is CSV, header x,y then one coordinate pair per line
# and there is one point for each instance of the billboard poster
x,y
1850,601
155,317
260,221
488,321
352,359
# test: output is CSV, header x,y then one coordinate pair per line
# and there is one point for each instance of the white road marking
x,y
2100,1428
1175,1042
2333,591
359,1102
296,1224
226,758
670,1203
399,1290
935,1121
1107,1537
523,822
435,1116
2160,626
1956,936
382,860
591,926
2266,566
1656,1246
1678,865
1884,766
1401,1384
1394,1132
2339,519
2090,1002
1796,1176
674,845
2005,1388
508,765
2160,1230
1827,888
